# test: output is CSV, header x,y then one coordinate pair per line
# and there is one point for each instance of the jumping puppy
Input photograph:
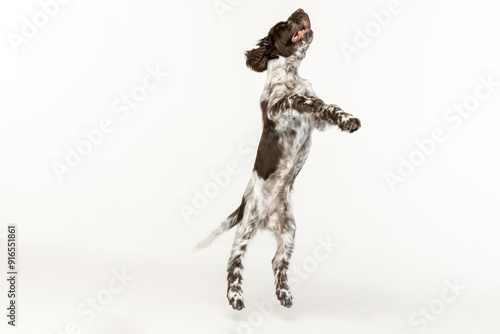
x,y
290,112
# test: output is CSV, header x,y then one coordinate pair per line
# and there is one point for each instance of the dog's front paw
x,y
350,124
235,298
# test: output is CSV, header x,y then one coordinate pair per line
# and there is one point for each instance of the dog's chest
x,y
281,82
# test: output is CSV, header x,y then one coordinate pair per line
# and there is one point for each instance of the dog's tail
x,y
233,219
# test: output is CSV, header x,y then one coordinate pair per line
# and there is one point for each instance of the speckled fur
x,y
290,112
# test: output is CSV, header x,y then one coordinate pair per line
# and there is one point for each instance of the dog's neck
x,y
282,69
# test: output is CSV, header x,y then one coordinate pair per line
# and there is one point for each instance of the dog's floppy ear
x,y
258,57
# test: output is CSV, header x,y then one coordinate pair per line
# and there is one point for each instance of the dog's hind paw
x,y
285,297
235,298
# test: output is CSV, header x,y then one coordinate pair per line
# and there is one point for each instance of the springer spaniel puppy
x,y
290,112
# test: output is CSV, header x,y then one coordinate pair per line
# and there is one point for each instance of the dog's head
x,y
287,38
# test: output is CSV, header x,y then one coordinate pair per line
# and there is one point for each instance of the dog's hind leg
x,y
244,232
285,235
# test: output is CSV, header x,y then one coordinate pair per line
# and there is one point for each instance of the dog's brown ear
x,y
258,57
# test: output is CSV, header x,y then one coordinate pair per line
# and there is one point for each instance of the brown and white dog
x,y
290,112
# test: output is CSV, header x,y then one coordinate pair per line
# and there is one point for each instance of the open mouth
x,y
306,25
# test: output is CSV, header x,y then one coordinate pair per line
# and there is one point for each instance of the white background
x,y
120,209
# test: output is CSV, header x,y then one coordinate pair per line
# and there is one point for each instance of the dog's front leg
x,y
333,113
324,114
